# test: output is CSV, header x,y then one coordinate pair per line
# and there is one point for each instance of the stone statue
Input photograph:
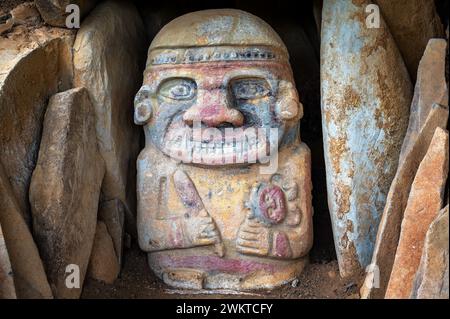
x,y
224,184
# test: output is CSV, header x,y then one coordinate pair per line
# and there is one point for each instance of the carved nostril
x,y
214,116
235,117
225,125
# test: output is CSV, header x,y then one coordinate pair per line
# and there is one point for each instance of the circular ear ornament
x,y
288,106
142,106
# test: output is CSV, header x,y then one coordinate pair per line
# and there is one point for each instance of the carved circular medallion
x,y
272,204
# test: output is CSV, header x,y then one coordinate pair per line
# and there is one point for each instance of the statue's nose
x,y
213,110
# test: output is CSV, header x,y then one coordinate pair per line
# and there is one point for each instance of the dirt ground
x,y
319,280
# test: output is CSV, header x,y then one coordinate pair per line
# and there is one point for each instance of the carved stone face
x,y
223,92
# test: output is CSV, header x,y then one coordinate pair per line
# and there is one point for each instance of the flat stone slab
x,y
7,289
431,281
30,280
65,188
104,265
430,88
424,203
426,115
112,213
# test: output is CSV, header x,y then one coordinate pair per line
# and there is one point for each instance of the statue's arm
x,y
178,232
160,229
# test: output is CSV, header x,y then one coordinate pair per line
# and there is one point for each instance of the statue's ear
x,y
142,106
288,106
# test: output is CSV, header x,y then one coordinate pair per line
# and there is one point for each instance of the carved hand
x,y
253,238
201,229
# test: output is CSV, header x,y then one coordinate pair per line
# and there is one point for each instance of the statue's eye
x,y
247,89
178,89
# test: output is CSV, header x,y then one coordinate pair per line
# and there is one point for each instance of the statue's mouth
x,y
220,146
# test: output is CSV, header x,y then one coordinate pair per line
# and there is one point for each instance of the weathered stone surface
x,y
54,11
7,289
430,88
32,68
7,25
109,54
431,280
65,188
412,23
425,117
30,280
104,265
25,12
424,203
366,93
112,213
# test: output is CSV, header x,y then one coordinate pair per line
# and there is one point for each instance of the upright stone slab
x,y
54,11
112,213
30,280
431,280
103,265
425,117
7,289
65,188
30,72
389,229
430,88
109,53
366,93
424,204
412,23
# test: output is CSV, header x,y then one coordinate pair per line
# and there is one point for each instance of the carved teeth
x,y
219,150
228,149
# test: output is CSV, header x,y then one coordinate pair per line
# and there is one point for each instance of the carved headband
x,y
214,53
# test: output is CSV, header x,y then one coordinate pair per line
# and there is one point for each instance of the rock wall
x,y
109,53
32,68
412,23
